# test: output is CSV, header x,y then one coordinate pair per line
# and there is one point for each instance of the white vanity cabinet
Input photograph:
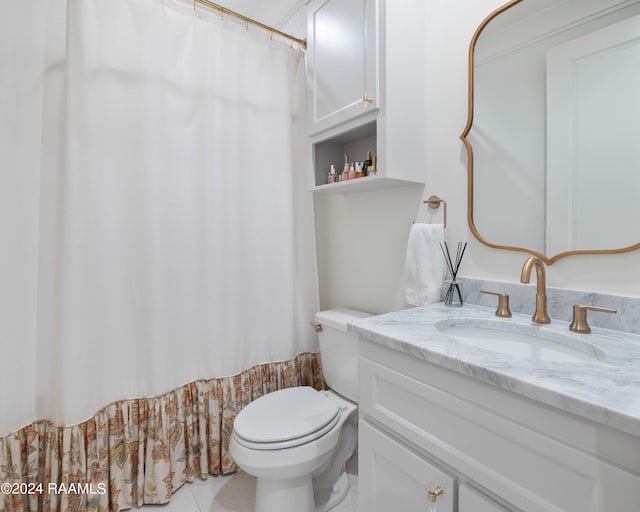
x,y
491,450
366,76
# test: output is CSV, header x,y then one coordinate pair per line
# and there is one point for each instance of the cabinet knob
x,y
432,496
367,99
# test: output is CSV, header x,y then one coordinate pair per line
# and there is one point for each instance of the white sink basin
x,y
519,340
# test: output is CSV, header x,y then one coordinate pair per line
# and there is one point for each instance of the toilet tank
x,y
339,350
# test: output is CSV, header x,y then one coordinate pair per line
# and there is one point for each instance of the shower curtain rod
x,y
223,10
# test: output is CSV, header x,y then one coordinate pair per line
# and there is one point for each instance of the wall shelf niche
x,y
331,151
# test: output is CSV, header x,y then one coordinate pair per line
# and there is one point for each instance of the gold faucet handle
x,y
503,303
579,321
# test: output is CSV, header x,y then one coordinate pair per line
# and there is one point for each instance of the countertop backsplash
x,y
560,302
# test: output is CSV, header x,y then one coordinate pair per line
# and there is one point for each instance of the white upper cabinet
x,y
366,73
342,61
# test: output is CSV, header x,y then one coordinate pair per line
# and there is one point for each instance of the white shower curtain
x,y
154,225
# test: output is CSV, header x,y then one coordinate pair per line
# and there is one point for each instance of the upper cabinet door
x,y
342,59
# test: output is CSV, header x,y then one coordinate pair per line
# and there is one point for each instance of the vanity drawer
x,y
456,419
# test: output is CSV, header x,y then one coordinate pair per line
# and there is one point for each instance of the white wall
x,y
361,241
359,265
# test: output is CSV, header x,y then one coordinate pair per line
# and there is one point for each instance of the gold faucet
x,y
540,316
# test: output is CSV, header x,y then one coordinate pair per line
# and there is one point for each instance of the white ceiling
x,y
285,15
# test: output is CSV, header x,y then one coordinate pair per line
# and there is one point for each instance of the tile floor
x,y
235,493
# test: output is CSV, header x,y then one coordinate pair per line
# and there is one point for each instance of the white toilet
x,y
296,441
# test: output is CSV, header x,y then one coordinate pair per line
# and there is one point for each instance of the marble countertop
x,y
605,391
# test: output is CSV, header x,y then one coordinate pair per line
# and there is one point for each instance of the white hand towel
x,y
425,266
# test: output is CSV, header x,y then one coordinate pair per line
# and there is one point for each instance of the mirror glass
x,y
553,127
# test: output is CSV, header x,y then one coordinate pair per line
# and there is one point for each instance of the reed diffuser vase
x,y
452,293
452,285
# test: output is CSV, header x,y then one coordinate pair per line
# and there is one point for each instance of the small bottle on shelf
x,y
352,171
367,163
346,173
373,168
333,175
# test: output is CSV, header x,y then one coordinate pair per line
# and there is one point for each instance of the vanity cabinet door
x,y
342,57
395,478
470,500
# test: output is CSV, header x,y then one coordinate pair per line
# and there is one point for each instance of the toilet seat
x,y
285,418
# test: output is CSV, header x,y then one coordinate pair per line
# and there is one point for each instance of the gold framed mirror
x,y
551,128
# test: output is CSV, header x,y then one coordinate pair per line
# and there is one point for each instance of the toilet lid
x,y
286,415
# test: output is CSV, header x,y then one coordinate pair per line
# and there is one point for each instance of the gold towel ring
x,y
434,202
